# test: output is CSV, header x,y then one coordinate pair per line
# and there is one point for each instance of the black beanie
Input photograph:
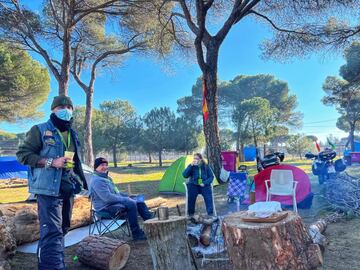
x,y
99,161
61,101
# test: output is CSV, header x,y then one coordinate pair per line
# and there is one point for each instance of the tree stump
x,y
285,244
103,252
168,243
7,242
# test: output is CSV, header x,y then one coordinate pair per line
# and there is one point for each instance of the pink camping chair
x,y
282,184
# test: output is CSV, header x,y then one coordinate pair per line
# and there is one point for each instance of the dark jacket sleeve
x,y
209,174
29,151
187,172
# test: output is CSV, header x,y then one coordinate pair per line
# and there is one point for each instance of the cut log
x,y
155,202
285,244
168,243
24,217
205,235
103,252
316,231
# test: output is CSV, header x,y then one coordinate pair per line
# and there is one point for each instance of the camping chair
x,y
281,183
186,198
102,222
237,190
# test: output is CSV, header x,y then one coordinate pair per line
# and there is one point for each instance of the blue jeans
x,y
132,208
193,192
54,217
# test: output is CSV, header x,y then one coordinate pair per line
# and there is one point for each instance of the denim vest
x,y
46,181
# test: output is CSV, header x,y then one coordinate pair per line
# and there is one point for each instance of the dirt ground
x,y
341,253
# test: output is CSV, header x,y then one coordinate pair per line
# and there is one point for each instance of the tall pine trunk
x,y
211,129
150,160
241,152
160,158
351,137
65,63
88,145
114,156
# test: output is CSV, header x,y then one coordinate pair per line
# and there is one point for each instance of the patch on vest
x,y
48,133
49,138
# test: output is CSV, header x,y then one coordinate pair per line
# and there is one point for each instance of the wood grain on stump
x,y
103,252
168,243
285,244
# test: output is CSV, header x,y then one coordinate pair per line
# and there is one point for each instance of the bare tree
x,y
298,25
51,33
137,30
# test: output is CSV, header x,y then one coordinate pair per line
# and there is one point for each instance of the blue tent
x,y
250,153
11,168
357,146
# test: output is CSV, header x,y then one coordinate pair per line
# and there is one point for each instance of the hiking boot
x,y
139,236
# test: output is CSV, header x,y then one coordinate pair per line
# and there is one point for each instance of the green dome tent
x,y
172,181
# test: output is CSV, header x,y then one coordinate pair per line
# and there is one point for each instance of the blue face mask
x,y
64,114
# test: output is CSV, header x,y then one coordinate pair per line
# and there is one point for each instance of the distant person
x,y
200,179
51,149
106,197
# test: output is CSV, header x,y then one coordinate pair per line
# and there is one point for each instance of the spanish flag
x,y
204,104
317,145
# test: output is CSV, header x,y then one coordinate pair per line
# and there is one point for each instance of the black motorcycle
x,y
269,160
323,165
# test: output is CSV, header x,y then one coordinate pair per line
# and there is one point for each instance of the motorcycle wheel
x,y
321,178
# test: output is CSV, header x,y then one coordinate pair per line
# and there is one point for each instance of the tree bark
x,y
241,154
351,137
168,243
88,144
103,252
285,244
114,156
160,158
7,242
150,160
65,63
264,149
211,129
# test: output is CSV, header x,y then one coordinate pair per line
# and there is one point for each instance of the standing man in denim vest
x,y
51,150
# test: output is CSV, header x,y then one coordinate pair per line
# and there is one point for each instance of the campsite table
x,y
284,244
168,243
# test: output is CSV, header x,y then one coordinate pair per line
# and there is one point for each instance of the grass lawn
x,y
141,177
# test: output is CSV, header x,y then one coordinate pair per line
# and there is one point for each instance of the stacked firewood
x,y
343,194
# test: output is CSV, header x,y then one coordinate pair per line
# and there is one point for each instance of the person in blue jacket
x,y
106,197
200,179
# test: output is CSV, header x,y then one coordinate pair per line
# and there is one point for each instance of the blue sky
x,y
143,82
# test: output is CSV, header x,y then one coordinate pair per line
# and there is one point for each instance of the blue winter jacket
x,y
193,173
102,192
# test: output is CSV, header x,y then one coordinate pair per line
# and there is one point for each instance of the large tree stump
x,y
103,252
168,243
7,242
285,244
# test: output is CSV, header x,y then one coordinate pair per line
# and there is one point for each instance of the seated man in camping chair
x,y
106,197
